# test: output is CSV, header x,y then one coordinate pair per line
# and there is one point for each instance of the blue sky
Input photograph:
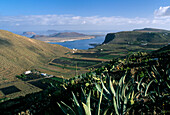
x,y
84,14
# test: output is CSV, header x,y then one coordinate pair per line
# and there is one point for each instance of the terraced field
x,y
18,88
74,65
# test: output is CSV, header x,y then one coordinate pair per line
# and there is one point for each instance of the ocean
x,y
82,44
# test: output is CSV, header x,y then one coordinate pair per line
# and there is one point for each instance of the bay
x,y
82,44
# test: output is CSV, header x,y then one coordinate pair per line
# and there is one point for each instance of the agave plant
x,y
80,108
118,96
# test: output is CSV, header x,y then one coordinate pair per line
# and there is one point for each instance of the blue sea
x,y
81,44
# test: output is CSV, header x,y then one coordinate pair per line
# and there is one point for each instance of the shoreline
x,y
71,39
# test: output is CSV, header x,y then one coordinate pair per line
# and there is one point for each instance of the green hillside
x,y
18,53
122,43
137,37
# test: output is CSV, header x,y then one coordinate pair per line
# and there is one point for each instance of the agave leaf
x,y
122,92
132,98
147,87
99,103
83,95
155,70
100,90
126,88
86,109
66,109
167,85
120,81
124,77
125,105
88,100
115,106
117,98
132,95
139,84
144,85
80,111
105,89
111,87
75,100
98,87
105,112
52,85
152,98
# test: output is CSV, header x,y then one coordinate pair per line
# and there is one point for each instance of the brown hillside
x,y
18,53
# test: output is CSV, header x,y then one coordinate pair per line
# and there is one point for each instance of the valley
x,y
19,54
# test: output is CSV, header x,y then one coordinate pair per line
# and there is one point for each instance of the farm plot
x,y
39,84
92,55
75,62
30,76
10,90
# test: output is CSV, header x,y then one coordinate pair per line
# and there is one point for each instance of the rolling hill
x,y
18,53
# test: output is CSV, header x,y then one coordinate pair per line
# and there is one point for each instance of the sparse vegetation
x,y
137,83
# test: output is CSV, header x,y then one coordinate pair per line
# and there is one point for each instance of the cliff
x,y
135,36
109,37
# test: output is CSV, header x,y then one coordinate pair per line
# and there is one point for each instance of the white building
x,y
74,50
27,72
43,74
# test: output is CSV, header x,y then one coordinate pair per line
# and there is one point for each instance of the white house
x,y
74,50
27,72
43,74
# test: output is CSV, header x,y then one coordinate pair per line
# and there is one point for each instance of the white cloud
x,y
38,22
162,11
46,20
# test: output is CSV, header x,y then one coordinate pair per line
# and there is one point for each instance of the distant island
x,y
52,31
29,33
62,37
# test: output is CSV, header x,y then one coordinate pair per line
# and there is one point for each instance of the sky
x,y
116,15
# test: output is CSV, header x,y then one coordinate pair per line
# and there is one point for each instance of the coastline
x,y
69,39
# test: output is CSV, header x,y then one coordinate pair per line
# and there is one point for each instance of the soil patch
x,y
10,90
39,84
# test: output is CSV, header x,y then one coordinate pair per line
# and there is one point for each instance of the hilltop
x,y
151,30
19,53
67,34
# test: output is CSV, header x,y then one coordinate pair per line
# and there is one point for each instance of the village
x,y
30,81
33,74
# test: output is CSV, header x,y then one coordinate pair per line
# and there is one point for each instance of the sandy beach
x,y
56,39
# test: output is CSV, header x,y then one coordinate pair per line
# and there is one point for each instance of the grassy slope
x,y
18,53
132,36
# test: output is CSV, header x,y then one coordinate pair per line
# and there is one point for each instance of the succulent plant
x,y
80,108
